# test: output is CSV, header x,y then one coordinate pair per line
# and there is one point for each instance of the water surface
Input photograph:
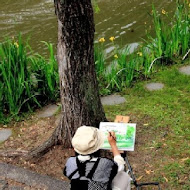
x,y
124,19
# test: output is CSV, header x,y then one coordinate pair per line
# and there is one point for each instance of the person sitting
x,y
87,170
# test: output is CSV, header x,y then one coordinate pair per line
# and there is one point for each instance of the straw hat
x,y
87,140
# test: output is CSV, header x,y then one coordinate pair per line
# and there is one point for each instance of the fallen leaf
x,y
149,172
182,182
138,179
166,179
184,159
146,124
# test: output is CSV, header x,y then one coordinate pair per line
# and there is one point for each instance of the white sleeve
x,y
120,162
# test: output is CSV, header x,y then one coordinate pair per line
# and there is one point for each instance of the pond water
x,y
124,19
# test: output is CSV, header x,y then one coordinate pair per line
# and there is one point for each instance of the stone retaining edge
x,y
31,178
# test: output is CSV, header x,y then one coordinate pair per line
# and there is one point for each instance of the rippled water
x,y
124,19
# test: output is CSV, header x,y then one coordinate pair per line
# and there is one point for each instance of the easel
x,y
125,119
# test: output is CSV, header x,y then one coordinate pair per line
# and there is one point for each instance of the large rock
x,y
112,100
48,111
30,178
154,86
185,70
5,134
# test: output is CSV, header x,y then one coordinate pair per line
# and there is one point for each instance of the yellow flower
x,y
163,12
16,44
116,56
112,38
140,54
102,40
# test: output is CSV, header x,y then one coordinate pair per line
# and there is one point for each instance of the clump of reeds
x,y
25,81
170,42
172,39
45,75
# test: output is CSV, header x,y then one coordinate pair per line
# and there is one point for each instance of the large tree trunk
x,y
78,84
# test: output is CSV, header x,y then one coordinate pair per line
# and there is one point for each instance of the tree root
x,y
14,153
54,139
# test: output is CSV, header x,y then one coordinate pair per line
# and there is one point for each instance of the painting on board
x,y
125,134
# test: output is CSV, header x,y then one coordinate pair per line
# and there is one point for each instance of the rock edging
x,y
31,178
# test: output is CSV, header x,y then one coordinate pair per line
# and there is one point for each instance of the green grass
x,y
165,114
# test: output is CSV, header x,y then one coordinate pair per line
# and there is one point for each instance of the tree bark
x,y
79,93
78,84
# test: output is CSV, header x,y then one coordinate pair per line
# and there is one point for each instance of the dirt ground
x,y
30,133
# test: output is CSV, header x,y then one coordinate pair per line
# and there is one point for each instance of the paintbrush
x,y
112,136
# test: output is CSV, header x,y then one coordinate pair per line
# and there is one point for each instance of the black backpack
x,y
85,182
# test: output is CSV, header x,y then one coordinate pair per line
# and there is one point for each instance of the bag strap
x,y
114,172
72,174
78,168
81,169
92,171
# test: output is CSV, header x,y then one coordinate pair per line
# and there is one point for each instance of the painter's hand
x,y
112,138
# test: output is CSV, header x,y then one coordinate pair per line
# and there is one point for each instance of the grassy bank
x,y
163,135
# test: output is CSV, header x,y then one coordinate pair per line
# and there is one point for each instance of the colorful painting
x,y
125,134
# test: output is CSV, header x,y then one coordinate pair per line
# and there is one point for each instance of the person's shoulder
x,y
71,160
107,160
108,164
